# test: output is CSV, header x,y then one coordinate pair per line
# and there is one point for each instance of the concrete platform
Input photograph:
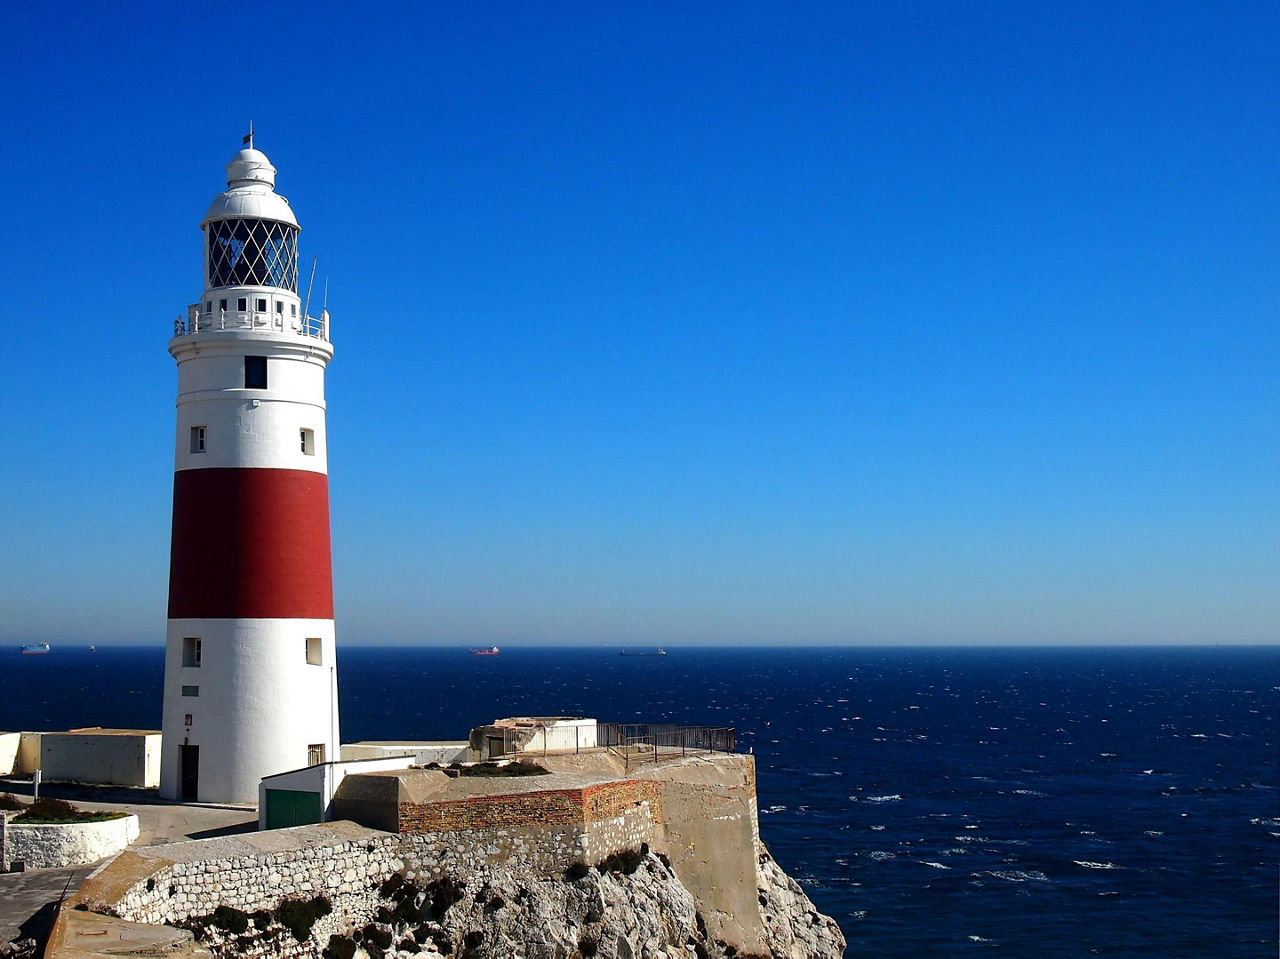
x,y
26,899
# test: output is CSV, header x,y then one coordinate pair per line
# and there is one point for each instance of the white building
x,y
250,682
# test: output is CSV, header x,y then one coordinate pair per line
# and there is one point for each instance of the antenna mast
x,y
306,307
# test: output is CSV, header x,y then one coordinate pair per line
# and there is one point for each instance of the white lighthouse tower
x,y
250,685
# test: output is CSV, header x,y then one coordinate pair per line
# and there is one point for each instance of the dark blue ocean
x,y
1046,802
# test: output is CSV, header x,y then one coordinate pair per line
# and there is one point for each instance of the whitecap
x,y
935,865
977,939
1084,863
894,797
1014,875
1028,792
881,855
877,828
1153,832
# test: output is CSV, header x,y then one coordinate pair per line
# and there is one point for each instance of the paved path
x,y
26,899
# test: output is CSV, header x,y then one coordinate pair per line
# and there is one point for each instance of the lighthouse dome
x,y
250,193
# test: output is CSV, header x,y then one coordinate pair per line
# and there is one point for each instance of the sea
x,y
935,801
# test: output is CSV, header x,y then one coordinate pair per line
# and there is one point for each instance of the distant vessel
x,y
93,649
486,651
644,652
34,648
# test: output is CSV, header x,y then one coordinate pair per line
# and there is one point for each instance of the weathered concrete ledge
x,y
54,845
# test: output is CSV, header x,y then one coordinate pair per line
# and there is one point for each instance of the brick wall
x,y
552,807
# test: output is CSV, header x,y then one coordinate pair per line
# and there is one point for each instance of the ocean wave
x,y
893,797
1013,875
1084,863
1029,792
935,865
881,855
1153,832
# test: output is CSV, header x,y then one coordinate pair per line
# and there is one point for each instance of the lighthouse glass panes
x,y
253,253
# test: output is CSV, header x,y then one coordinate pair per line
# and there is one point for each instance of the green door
x,y
290,807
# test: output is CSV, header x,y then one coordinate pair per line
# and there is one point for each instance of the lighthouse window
x,y
315,754
314,655
208,306
253,253
190,651
242,303
255,372
222,305
191,690
308,443
197,439
262,306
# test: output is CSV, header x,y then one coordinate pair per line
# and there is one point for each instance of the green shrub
x,y
441,895
340,947
299,915
55,811
509,769
232,920
626,862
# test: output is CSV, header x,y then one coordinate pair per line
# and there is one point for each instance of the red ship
x,y
487,651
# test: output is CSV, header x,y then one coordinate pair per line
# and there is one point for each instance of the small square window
x,y
293,308
279,307
315,654
255,372
315,754
262,306
308,441
191,690
242,303
208,306
190,651
222,305
197,439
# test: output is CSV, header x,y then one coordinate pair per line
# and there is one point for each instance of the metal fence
x,y
652,742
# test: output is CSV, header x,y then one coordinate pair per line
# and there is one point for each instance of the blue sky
x,y
677,323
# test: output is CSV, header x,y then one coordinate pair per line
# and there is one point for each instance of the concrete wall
x,y
68,844
28,760
9,745
712,832
422,753
323,779
120,759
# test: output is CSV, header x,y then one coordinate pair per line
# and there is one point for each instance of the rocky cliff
x,y
629,907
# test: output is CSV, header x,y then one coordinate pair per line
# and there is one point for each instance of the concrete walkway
x,y
26,899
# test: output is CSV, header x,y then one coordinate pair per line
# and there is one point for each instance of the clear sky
x,y
676,323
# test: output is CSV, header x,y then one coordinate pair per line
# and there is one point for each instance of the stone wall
x,y
335,859
344,861
67,844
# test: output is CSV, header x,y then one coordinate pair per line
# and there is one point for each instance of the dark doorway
x,y
189,771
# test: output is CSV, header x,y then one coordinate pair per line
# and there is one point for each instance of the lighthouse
x,y
250,686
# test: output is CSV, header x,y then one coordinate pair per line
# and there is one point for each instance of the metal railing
x,y
200,322
654,742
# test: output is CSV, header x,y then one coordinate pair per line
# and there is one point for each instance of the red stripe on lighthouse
x,y
250,544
